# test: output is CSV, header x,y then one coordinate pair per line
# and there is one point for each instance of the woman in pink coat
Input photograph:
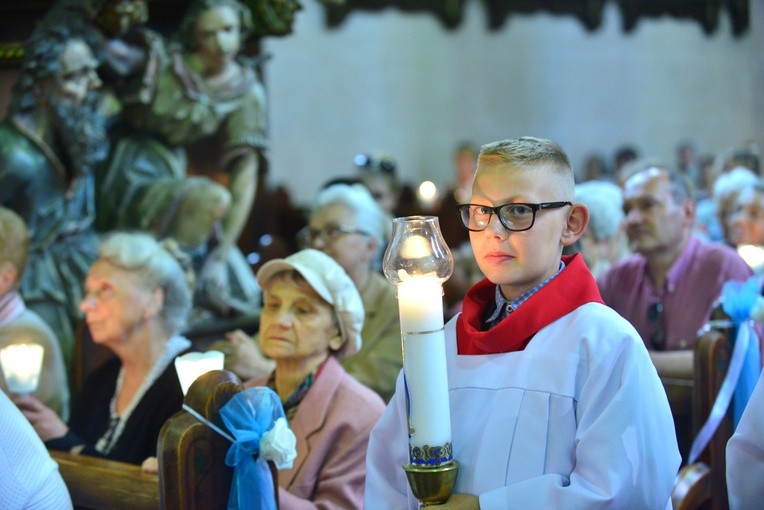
x,y
312,317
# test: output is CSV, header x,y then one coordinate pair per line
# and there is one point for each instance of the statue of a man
x,y
50,145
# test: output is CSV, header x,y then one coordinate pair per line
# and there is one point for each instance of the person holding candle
x,y
20,325
312,318
554,402
136,303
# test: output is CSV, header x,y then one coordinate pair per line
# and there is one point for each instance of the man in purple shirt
x,y
668,288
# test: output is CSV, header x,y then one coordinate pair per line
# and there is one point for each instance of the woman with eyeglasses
x,y
348,225
137,302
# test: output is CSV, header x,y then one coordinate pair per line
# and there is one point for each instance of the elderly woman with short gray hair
x,y
604,242
136,303
347,224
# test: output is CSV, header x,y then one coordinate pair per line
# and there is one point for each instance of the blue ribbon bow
x,y
738,300
248,416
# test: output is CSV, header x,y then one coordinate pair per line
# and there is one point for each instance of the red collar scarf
x,y
572,287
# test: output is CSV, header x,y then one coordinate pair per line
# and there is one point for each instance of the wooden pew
x,y
190,452
679,391
96,483
192,470
703,485
191,458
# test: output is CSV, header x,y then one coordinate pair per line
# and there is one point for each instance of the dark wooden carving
x,y
18,17
588,12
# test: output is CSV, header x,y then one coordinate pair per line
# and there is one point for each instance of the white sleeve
x,y
745,455
29,478
386,484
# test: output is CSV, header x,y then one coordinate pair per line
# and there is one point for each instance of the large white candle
x,y
22,364
424,361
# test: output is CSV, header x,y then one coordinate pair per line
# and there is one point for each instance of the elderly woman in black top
x,y
136,304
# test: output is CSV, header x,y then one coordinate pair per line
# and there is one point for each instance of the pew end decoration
x,y
743,303
225,447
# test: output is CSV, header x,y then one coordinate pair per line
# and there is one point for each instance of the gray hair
x,y
604,199
733,181
356,197
14,240
680,187
157,264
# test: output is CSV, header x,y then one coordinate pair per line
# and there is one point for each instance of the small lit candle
x,y
21,365
752,254
193,364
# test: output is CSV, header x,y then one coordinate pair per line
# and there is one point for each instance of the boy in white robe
x,y
554,400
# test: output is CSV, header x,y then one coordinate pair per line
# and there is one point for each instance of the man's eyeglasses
x,y
655,316
515,217
307,236
366,162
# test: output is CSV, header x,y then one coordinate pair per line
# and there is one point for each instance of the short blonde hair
x,y
528,152
14,240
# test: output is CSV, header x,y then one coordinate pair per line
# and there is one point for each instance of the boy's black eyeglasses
x,y
655,316
515,217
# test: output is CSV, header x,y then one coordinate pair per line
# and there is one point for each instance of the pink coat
x,y
332,425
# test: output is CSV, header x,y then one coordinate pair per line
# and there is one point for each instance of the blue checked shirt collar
x,y
504,306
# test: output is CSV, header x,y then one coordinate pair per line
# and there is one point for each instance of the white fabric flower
x,y
757,312
278,445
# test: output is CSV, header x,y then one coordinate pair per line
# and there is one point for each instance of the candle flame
x,y
416,247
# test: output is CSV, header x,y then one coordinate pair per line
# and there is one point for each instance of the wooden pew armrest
x,y
692,487
94,482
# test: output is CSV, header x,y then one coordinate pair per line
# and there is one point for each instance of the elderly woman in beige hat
x,y
312,318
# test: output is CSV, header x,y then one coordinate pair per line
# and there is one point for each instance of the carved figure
x,y
50,144
201,114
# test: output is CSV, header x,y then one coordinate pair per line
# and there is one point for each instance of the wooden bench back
x,y
703,485
191,456
192,470
96,483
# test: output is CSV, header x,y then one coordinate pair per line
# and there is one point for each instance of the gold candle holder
x,y
431,484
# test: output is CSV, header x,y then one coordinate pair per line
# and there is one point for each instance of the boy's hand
x,y
461,502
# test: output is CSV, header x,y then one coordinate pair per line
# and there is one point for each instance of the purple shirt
x,y
689,294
